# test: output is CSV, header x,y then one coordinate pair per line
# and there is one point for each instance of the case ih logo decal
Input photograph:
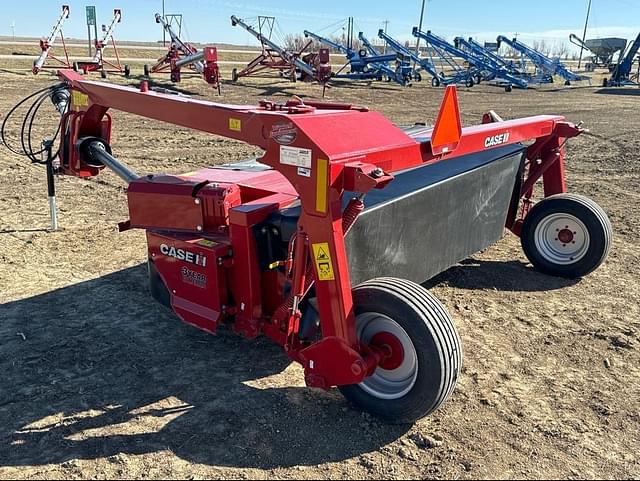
x,y
284,134
497,140
183,255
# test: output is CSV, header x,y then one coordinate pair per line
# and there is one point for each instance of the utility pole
x,y
584,35
424,5
13,30
386,25
164,35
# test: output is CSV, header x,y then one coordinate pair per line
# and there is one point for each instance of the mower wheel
x,y
103,74
566,235
424,350
127,71
417,77
146,71
508,89
435,82
469,83
234,75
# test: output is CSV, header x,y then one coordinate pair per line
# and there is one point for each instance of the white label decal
x,y
295,156
304,172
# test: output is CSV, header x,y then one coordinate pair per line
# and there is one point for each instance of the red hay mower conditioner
x,y
322,244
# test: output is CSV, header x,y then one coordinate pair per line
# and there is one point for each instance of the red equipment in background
x,y
46,45
292,65
99,63
184,55
263,249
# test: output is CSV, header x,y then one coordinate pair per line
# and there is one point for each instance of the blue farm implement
x,y
421,64
453,72
363,66
623,74
492,66
403,69
546,68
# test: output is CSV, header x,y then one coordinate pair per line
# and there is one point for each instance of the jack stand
x,y
51,186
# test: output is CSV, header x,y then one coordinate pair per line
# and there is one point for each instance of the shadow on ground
x,y
514,276
97,369
631,91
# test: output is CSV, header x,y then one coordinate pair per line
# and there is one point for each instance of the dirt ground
x,y
100,382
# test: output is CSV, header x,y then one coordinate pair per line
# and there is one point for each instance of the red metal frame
x,y
168,64
212,212
269,59
46,47
99,65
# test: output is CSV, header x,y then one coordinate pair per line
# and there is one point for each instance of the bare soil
x,y
100,382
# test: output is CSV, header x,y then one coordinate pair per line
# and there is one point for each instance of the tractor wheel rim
x,y
388,384
562,239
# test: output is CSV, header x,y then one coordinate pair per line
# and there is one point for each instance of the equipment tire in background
x,y
234,75
566,235
431,358
127,71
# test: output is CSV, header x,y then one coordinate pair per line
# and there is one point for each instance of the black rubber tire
x,y
437,344
103,74
508,89
435,82
605,83
567,83
127,71
469,83
234,75
417,77
76,67
590,214
147,71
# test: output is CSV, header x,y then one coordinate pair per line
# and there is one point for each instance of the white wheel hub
x,y
388,384
562,239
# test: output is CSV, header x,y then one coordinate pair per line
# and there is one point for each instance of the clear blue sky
x,y
208,20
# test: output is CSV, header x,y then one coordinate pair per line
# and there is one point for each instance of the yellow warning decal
x,y
322,185
78,99
207,243
324,265
235,125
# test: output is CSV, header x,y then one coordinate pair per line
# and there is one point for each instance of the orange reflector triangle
x,y
448,129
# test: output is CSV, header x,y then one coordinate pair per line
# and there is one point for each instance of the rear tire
x,y
127,71
234,75
435,82
103,74
146,71
431,353
566,235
